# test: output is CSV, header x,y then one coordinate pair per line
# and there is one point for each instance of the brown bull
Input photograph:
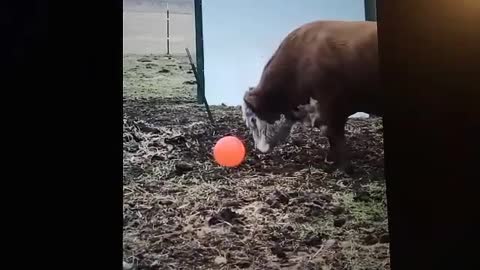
x,y
322,72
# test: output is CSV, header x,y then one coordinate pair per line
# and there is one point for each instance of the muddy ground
x,y
283,210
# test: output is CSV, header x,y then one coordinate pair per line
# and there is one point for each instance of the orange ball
x,y
229,151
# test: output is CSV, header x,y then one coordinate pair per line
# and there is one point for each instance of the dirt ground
x,y
283,210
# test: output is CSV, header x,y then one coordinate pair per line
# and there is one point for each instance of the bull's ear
x,y
251,100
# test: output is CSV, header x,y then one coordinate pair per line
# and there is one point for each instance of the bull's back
x,y
323,59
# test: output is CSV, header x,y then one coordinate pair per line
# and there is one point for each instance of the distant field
x,y
175,6
145,26
145,33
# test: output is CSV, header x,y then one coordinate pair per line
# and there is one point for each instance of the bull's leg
x,y
338,154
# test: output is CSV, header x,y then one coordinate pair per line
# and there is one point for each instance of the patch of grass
x,y
155,76
371,210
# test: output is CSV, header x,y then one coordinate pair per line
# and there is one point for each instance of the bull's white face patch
x,y
266,136
314,111
258,129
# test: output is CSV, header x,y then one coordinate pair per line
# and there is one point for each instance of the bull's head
x,y
262,115
265,124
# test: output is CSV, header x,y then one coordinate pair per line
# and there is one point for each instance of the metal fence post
x,y
370,10
168,30
199,51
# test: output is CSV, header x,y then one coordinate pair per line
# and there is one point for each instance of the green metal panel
x,y
370,10
199,51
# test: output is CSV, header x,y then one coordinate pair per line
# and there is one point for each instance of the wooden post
x,y
168,30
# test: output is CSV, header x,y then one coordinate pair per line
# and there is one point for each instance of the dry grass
x,y
284,210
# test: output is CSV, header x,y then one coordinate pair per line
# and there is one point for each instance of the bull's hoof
x,y
344,166
329,162
330,159
347,168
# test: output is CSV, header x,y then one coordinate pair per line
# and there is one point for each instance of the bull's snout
x,y
263,147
